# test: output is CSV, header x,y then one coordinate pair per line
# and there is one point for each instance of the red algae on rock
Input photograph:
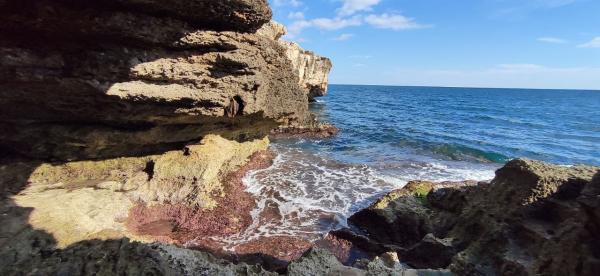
x,y
182,223
284,248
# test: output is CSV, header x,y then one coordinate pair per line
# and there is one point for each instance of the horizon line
x,y
471,87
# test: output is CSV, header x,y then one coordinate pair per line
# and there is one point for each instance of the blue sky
x,y
473,43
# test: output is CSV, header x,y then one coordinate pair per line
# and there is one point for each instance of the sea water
x,y
391,135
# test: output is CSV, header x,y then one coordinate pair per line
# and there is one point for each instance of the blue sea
x,y
391,135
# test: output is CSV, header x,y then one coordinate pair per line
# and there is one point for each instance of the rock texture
x,y
199,186
532,219
115,257
103,79
317,262
313,70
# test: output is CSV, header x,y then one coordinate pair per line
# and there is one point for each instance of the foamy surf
x,y
306,195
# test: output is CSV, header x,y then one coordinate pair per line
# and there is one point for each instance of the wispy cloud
x,y
293,3
352,13
343,37
553,40
329,24
393,21
351,7
296,15
594,43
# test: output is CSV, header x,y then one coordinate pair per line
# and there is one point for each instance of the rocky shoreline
x,y
126,128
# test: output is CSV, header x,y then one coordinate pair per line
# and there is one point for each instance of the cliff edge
x,y
312,69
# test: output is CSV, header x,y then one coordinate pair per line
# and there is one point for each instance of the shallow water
x,y
391,135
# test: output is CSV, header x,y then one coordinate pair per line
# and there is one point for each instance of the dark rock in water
x,y
316,132
404,216
532,219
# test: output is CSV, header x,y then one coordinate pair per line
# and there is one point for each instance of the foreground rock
x,y
158,197
320,262
532,219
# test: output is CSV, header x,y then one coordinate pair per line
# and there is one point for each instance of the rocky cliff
x,y
131,119
313,70
103,79
532,219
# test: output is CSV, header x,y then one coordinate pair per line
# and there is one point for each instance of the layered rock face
x,y
135,119
103,79
532,219
313,70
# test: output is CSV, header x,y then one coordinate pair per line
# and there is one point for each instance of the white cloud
x,y
293,3
296,15
392,21
329,24
552,40
343,37
351,7
594,43
336,23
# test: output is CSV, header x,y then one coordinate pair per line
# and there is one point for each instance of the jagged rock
x,y
312,70
399,217
116,257
273,30
103,79
430,252
532,219
320,262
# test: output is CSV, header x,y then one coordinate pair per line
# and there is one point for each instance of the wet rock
x,y
532,219
319,131
273,253
430,252
399,217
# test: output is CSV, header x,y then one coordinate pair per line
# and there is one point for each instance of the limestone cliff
x,y
102,79
134,119
313,70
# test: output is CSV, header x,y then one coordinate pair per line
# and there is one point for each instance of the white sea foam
x,y
308,195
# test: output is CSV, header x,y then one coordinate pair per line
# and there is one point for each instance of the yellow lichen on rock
x,y
194,176
73,216
85,200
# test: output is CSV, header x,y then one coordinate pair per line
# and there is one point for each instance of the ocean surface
x,y
391,135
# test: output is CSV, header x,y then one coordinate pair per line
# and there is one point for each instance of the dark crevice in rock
x,y
149,169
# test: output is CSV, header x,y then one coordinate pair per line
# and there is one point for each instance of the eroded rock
x,y
312,69
105,79
532,219
93,199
